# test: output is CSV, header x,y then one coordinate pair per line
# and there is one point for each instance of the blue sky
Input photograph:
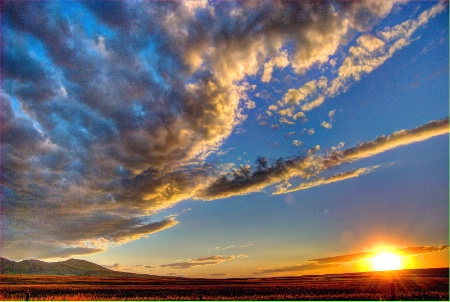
x,y
213,139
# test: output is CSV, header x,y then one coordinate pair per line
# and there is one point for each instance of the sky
x,y
225,138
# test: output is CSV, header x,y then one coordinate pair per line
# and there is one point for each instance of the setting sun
x,y
386,261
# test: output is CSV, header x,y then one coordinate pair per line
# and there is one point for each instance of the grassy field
x,y
426,284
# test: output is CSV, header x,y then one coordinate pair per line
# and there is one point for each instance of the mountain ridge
x,y
70,267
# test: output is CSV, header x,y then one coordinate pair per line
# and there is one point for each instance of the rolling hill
x,y
71,267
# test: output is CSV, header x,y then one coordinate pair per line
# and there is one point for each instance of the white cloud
x,y
281,61
326,125
314,104
301,116
285,112
249,104
295,96
331,115
297,143
284,120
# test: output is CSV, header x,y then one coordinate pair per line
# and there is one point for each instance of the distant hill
x,y
71,267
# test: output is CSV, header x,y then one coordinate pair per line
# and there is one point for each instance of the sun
x,y
386,261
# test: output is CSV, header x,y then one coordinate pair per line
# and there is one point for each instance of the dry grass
x,y
410,285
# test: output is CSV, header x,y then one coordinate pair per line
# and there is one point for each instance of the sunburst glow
x,y
386,261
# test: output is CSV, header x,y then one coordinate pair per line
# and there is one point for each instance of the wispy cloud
x,y
210,260
245,181
335,261
323,181
224,152
405,251
369,53
247,245
219,275
139,269
400,138
295,268
229,247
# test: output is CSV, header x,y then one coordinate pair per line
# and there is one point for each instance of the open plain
x,y
417,284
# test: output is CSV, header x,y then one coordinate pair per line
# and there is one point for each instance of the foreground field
x,y
426,284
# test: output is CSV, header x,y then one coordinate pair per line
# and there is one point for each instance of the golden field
x,y
419,284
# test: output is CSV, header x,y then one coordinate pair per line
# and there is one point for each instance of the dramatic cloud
x,y
372,52
368,54
110,110
211,260
245,181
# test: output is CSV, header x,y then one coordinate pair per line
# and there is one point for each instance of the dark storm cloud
x,y
117,116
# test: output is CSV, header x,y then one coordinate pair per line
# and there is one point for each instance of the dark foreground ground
x,y
424,284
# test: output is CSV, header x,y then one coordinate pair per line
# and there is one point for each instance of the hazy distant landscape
x,y
82,280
